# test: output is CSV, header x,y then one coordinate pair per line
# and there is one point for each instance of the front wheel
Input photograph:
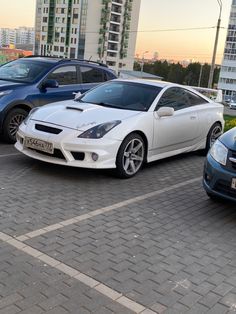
x,y
130,156
11,124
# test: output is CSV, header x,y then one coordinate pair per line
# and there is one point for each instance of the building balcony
x,y
117,2
116,9
112,50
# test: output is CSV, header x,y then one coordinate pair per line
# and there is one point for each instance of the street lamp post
x,y
210,82
142,64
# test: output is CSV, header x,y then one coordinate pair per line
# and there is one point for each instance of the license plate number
x,y
233,184
39,145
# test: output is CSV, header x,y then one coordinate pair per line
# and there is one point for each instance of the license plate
x,y
39,145
233,184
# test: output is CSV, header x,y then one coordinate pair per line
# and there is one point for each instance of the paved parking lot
x,y
81,241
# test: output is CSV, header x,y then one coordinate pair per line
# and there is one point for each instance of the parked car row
x,y
118,124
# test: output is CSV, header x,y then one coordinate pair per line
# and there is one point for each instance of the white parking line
x,y
74,273
103,210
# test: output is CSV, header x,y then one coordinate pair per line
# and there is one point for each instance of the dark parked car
x,y
35,81
220,168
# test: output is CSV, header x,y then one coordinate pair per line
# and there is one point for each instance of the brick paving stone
x,y
47,290
176,250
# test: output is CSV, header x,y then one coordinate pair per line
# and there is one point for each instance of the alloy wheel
x,y
15,122
133,156
215,134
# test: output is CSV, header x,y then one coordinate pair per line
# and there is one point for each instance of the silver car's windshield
x,y
123,95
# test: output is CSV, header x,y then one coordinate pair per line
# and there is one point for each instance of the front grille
x,y
78,155
231,165
57,153
47,129
224,187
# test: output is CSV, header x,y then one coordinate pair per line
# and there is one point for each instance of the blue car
x,y
35,81
220,168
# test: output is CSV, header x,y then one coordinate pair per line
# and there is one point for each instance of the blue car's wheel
x,y
11,124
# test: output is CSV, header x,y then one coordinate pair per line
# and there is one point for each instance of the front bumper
x,y
69,150
217,180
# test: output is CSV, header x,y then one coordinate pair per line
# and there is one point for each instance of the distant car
x,y
220,168
122,124
35,81
232,105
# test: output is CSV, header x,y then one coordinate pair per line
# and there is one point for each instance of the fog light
x,y
94,156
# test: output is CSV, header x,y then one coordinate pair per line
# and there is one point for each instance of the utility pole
x,y
210,82
200,76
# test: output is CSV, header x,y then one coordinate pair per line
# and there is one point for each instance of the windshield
x,y
122,95
22,71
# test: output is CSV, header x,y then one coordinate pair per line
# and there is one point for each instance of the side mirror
x,y
165,112
50,84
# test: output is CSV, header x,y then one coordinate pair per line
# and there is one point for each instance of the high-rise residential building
x,y
21,36
25,35
99,30
227,80
7,37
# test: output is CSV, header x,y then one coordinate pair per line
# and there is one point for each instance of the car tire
x,y
213,197
131,156
213,134
11,124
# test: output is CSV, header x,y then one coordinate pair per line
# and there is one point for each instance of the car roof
x,y
163,84
57,60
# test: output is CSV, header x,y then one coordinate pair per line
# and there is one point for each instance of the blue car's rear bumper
x,y
217,180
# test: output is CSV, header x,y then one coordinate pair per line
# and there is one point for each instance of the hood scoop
x,y
74,108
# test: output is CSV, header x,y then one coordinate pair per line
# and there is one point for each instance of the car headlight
x,y
5,92
99,130
30,115
219,152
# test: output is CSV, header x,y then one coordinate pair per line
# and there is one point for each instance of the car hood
x,y
4,85
80,116
229,139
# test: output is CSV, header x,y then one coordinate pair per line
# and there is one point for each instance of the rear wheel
x,y
130,156
11,124
213,134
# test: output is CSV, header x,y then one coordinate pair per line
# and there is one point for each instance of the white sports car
x,y
122,124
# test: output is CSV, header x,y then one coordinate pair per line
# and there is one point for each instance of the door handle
x,y
193,117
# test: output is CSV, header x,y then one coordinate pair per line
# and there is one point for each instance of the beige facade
x,y
99,30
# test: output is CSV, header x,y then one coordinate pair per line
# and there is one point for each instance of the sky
x,y
155,15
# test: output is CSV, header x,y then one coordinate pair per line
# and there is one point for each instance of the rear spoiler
x,y
213,94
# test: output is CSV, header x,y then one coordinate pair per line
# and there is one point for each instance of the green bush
x,y
230,122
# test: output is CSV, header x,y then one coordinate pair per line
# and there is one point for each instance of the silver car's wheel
x,y
213,134
131,156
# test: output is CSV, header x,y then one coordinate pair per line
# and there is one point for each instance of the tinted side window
x,y
195,99
91,75
175,98
66,75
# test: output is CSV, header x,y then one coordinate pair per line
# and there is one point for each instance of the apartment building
x,y
227,80
100,30
7,37
21,36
